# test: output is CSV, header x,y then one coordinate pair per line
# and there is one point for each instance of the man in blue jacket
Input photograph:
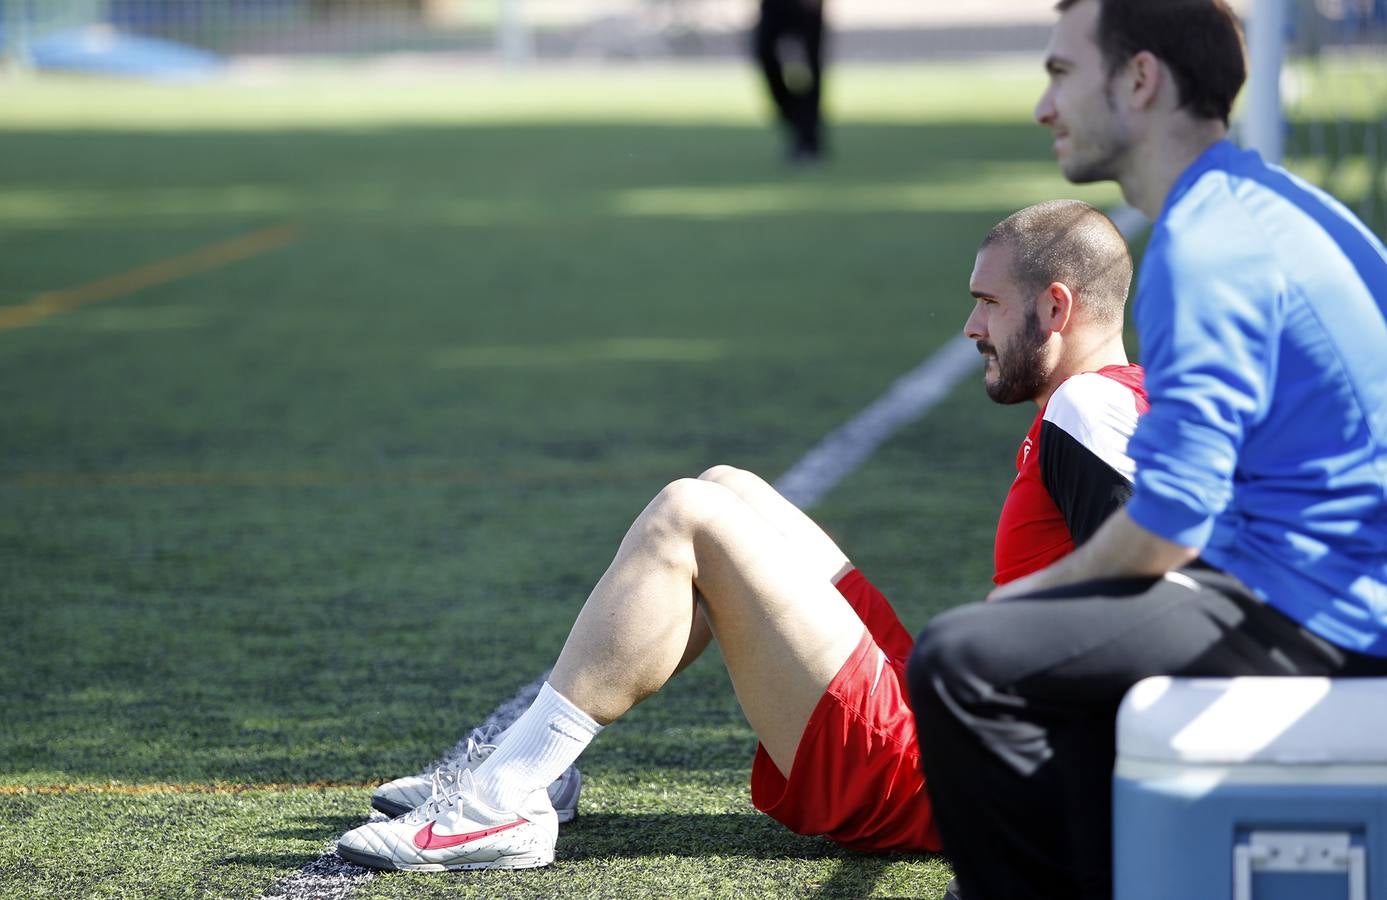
x,y
1255,541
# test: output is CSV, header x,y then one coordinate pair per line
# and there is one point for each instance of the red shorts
x,y
856,776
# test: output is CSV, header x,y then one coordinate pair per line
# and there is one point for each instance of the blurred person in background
x,y
788,43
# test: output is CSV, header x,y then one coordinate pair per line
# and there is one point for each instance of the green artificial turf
x,y
305,517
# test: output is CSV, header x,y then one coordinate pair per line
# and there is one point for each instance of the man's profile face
x,y
1006,328
1077,106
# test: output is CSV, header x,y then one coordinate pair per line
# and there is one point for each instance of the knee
x,y
684,506
736,480
949,654
919,669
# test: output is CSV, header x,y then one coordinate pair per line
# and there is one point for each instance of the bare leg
x,y
799,529
783,629
820,552
700,635
724,557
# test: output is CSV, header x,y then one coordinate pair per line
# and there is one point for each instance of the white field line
x,y
329,877
849,445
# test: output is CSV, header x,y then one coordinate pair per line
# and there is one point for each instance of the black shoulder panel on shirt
x,y
1086,489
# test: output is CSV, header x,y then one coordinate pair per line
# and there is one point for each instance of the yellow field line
x,y
140,790
51,303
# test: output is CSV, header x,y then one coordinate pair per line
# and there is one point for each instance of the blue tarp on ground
x,y
101,49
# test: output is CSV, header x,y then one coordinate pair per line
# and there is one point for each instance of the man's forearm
x,y
1120,548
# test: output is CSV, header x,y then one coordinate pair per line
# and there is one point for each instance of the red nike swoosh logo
x,y
427,840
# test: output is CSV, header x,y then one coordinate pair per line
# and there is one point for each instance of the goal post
x,y
1264,124
514,42
1316,98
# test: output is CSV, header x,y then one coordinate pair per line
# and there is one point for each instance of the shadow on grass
x,y
317,827
748,835
728,837
855,876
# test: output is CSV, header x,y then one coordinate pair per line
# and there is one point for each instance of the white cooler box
x,y
1251,789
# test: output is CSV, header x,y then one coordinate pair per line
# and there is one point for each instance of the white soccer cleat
x,y
395,798
454,830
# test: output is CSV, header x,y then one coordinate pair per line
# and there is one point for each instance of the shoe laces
x,y
471,750
446,777
445,792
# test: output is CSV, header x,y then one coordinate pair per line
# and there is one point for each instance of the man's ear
x,y
1142,79
1055,307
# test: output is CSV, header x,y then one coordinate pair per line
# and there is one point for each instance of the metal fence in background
x,y
514,29
1334,101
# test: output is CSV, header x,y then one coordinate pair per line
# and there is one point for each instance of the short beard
x,y
1021,375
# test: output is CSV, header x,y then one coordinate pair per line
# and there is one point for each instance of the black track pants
x,y
1016,703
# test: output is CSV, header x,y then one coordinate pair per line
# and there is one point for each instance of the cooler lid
x,y
1277,720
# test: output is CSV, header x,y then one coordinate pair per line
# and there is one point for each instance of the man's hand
x,y
1119,549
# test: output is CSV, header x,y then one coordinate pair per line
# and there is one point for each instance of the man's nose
x,y
975,329
1045,107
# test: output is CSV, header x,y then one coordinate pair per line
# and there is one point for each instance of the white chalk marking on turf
x,y
329,877
849,445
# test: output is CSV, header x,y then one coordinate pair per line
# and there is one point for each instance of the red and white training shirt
x,y
1072,470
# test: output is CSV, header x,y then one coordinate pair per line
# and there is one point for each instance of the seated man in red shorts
x,y
816,654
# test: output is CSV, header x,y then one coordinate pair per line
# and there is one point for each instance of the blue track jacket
x,y
1262,312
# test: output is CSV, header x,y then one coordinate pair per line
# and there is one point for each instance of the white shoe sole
x,y
513,861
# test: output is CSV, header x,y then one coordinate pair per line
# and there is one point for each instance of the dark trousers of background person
x,y
1016,705
799,105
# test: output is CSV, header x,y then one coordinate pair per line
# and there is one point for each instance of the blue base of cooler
x,y
1176,840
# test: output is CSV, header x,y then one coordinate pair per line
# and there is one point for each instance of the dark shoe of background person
x,y
804,154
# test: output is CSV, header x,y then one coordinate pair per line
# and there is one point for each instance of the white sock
x,y
542,743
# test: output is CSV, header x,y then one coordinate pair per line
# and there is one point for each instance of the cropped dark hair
x,y
1073,243
1200,40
